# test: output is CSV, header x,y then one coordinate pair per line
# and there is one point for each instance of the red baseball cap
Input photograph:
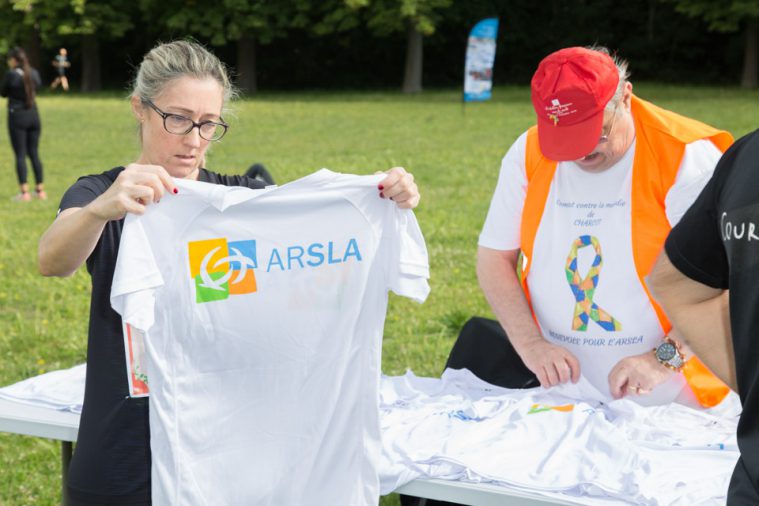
x,y
570,90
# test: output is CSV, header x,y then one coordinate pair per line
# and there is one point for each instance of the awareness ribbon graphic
x,y
583,289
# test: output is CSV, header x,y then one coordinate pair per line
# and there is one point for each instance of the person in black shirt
x,y
178,97
20,85
707,280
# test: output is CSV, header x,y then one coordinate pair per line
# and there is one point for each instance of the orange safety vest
x,y
661,137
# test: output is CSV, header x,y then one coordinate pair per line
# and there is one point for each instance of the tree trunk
x,y
246,64
412,78
751,55
34,51
91,63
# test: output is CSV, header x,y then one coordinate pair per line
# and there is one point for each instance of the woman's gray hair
x,y
169,61
624,74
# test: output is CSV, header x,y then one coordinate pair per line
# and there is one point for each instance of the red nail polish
x,y
380,187
382,195
176,190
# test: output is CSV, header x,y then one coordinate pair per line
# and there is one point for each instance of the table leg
x,y
66,450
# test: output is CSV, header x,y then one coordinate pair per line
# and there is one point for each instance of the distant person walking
x,y
20,85
61,63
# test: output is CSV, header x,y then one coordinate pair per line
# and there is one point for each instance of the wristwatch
x,y
668,353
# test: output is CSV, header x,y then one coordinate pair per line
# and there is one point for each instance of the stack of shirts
x,y
554,443
62,390
546,442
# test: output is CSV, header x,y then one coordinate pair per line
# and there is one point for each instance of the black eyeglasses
x,y
182,125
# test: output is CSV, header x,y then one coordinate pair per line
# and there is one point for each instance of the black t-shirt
x,y
717,243
12,86
111,464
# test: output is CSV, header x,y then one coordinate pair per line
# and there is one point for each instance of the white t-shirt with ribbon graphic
x,y
584,287
264,312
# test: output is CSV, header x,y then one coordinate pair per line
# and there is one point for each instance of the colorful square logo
x,y
221,268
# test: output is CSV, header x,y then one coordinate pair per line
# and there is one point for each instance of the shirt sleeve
x,y
696,168
501,230
136,276
81,193
409,270
694,245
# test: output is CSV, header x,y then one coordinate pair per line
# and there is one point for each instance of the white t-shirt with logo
x,y
264,313
584,287
556,442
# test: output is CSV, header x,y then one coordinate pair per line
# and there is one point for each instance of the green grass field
x,y
454,153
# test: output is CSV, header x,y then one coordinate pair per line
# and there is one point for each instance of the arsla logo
x,y
222,268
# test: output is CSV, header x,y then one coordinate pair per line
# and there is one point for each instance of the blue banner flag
x,y
480,55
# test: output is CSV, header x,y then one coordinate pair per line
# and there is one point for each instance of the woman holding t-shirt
x,y
179,94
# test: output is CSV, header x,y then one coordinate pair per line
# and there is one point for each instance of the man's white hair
x,y
621,65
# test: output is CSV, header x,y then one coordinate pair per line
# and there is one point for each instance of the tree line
x,y
281,44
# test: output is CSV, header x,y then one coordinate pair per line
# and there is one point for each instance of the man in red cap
x,y
583,204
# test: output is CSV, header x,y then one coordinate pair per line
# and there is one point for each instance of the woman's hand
x,y
135,187
74,233
399,186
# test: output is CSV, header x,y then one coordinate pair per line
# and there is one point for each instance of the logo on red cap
x,y
556,110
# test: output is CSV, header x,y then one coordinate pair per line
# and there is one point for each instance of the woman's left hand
x,y
399,186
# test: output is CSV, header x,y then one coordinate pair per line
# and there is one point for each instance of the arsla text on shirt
x,y
313,255
595,341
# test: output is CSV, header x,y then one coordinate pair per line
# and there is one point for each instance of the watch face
x,y
666,352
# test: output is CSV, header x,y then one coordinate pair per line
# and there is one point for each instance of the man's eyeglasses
x,y
181,125
605,136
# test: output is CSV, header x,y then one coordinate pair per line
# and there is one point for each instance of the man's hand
x,y
552,364
399,186
637,375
